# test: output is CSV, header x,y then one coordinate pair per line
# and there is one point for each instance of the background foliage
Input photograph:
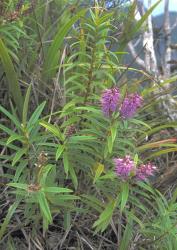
x,y
58,183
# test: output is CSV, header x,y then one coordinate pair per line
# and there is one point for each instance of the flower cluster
x,y
125,167
144,171
110,102
70,130
129,105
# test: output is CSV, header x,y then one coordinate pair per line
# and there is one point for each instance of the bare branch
x,y
173,46
167,40
135,56
174,25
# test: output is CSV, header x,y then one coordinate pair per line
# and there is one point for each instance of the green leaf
x,y
68,197
138,122
73,176
129,29
70,121
99,170
136,159
11,75
18,155
51,177
8,217
146,187
114,130
66,163
35,116
79,138
60,150
127,234
44,206
25,106
68,106
109,175
18,185
51,60
62,198
10,243
105,216
91,109
56,190
124,195
156,144
123,91
144,18
22,166
106,151
11,117
161,152
159,128
7,130
14,137
110,144
67,219
42,177
93,202
54,130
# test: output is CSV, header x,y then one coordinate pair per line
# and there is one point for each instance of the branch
x,y
173,46
174,25
167,40
135,56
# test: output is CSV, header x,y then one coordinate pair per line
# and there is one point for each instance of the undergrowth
x,y
77,159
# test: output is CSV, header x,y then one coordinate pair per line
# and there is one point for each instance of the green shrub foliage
x,y
84,155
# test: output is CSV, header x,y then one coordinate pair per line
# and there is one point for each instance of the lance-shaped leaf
x,y
51,60
12,79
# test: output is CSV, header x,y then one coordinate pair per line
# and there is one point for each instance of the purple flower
x,y
109,100
144,171
130,104
123,166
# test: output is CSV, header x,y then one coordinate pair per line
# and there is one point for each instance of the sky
x,y
159,9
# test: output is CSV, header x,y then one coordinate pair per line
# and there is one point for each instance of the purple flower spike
x,y
130,104
123,166
109,101
144,171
